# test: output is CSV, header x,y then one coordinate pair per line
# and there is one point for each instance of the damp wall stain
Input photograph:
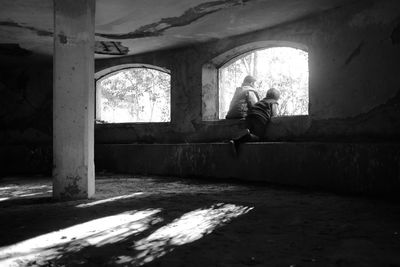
x,y
62,38
72,189
356,52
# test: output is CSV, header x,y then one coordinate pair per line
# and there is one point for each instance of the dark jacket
x,y
262,110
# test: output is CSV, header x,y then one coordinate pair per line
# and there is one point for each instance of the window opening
x,y
134,95
283,68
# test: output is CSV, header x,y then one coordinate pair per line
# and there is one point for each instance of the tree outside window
x,y
283,68
134,95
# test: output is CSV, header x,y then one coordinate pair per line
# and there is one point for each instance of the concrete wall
x,y
362,168
26,104
26,119
354,62
354,113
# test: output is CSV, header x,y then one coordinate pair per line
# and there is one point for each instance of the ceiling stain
x,y
17,25
189,16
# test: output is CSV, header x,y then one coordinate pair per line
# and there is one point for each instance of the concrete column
x,y
73,99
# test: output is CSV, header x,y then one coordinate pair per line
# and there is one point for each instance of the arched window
x,y
138,94
283,68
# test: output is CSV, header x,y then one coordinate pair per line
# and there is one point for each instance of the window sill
x,y
273,119
130,124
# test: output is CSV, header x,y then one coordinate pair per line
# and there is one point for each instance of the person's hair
x,y
249,80
273,93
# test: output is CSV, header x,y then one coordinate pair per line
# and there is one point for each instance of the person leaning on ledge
x,y
245,96
258,116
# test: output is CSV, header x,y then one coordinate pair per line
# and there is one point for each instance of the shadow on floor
x,y
171,222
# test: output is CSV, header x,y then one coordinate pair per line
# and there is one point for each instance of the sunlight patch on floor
x,y
98,202
98,232
21,191
188,228
8,188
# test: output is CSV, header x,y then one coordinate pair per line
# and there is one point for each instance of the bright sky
x,y
294,61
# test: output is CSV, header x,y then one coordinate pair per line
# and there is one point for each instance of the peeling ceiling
x,y
125,27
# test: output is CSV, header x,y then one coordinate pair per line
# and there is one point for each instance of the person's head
x,y
249,81
273,93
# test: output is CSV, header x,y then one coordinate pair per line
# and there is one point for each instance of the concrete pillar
x,y
73,99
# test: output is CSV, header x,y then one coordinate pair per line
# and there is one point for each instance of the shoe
x,y
253,138
241,134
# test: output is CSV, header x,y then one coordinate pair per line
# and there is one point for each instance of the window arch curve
x,y
229,55
133,93
216,96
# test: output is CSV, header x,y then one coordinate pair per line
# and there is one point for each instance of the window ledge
x,y
276,119
130,124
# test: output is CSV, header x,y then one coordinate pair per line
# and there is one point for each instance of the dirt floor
x,y
153,221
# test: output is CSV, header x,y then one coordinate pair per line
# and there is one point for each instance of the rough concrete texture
x,y
372,169
73,99
357,101
353,85
171,222
154,24
26,105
